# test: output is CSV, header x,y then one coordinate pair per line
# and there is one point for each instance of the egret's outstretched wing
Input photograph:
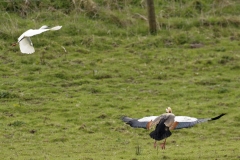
x,y
26,46
33,32
55,28
186,122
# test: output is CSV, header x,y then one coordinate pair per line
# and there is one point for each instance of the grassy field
x,y
66,100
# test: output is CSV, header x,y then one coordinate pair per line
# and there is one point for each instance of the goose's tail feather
x,y
215,118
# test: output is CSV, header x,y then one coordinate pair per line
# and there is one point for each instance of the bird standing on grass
x,y
25,43
164,123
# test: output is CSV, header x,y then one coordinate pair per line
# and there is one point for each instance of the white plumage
x,y
147,119
25,43
177,118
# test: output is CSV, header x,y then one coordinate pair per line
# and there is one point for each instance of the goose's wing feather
x,y
26,46
138,123
134,122
126,119
187,122
147,119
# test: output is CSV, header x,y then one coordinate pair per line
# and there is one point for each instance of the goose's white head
x,y
169,110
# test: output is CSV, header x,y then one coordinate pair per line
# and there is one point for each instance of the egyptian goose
x,y
164,123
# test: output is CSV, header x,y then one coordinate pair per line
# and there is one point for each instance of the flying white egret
x,y
164,123
25,43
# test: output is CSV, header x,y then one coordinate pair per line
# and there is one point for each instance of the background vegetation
x,y
65,101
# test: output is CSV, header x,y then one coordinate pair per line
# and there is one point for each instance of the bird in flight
x,y
25,43
164,123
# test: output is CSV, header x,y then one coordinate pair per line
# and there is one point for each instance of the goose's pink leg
x,y
155,144
163,144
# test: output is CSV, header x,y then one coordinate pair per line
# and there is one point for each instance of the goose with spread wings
x,y
164,123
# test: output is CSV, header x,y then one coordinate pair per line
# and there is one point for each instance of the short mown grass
x,y
66,100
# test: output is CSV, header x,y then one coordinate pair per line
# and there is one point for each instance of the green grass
x,y
58,104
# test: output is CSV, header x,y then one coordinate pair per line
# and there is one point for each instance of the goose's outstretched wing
x,y
134,122
187,122
182,121
138,123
